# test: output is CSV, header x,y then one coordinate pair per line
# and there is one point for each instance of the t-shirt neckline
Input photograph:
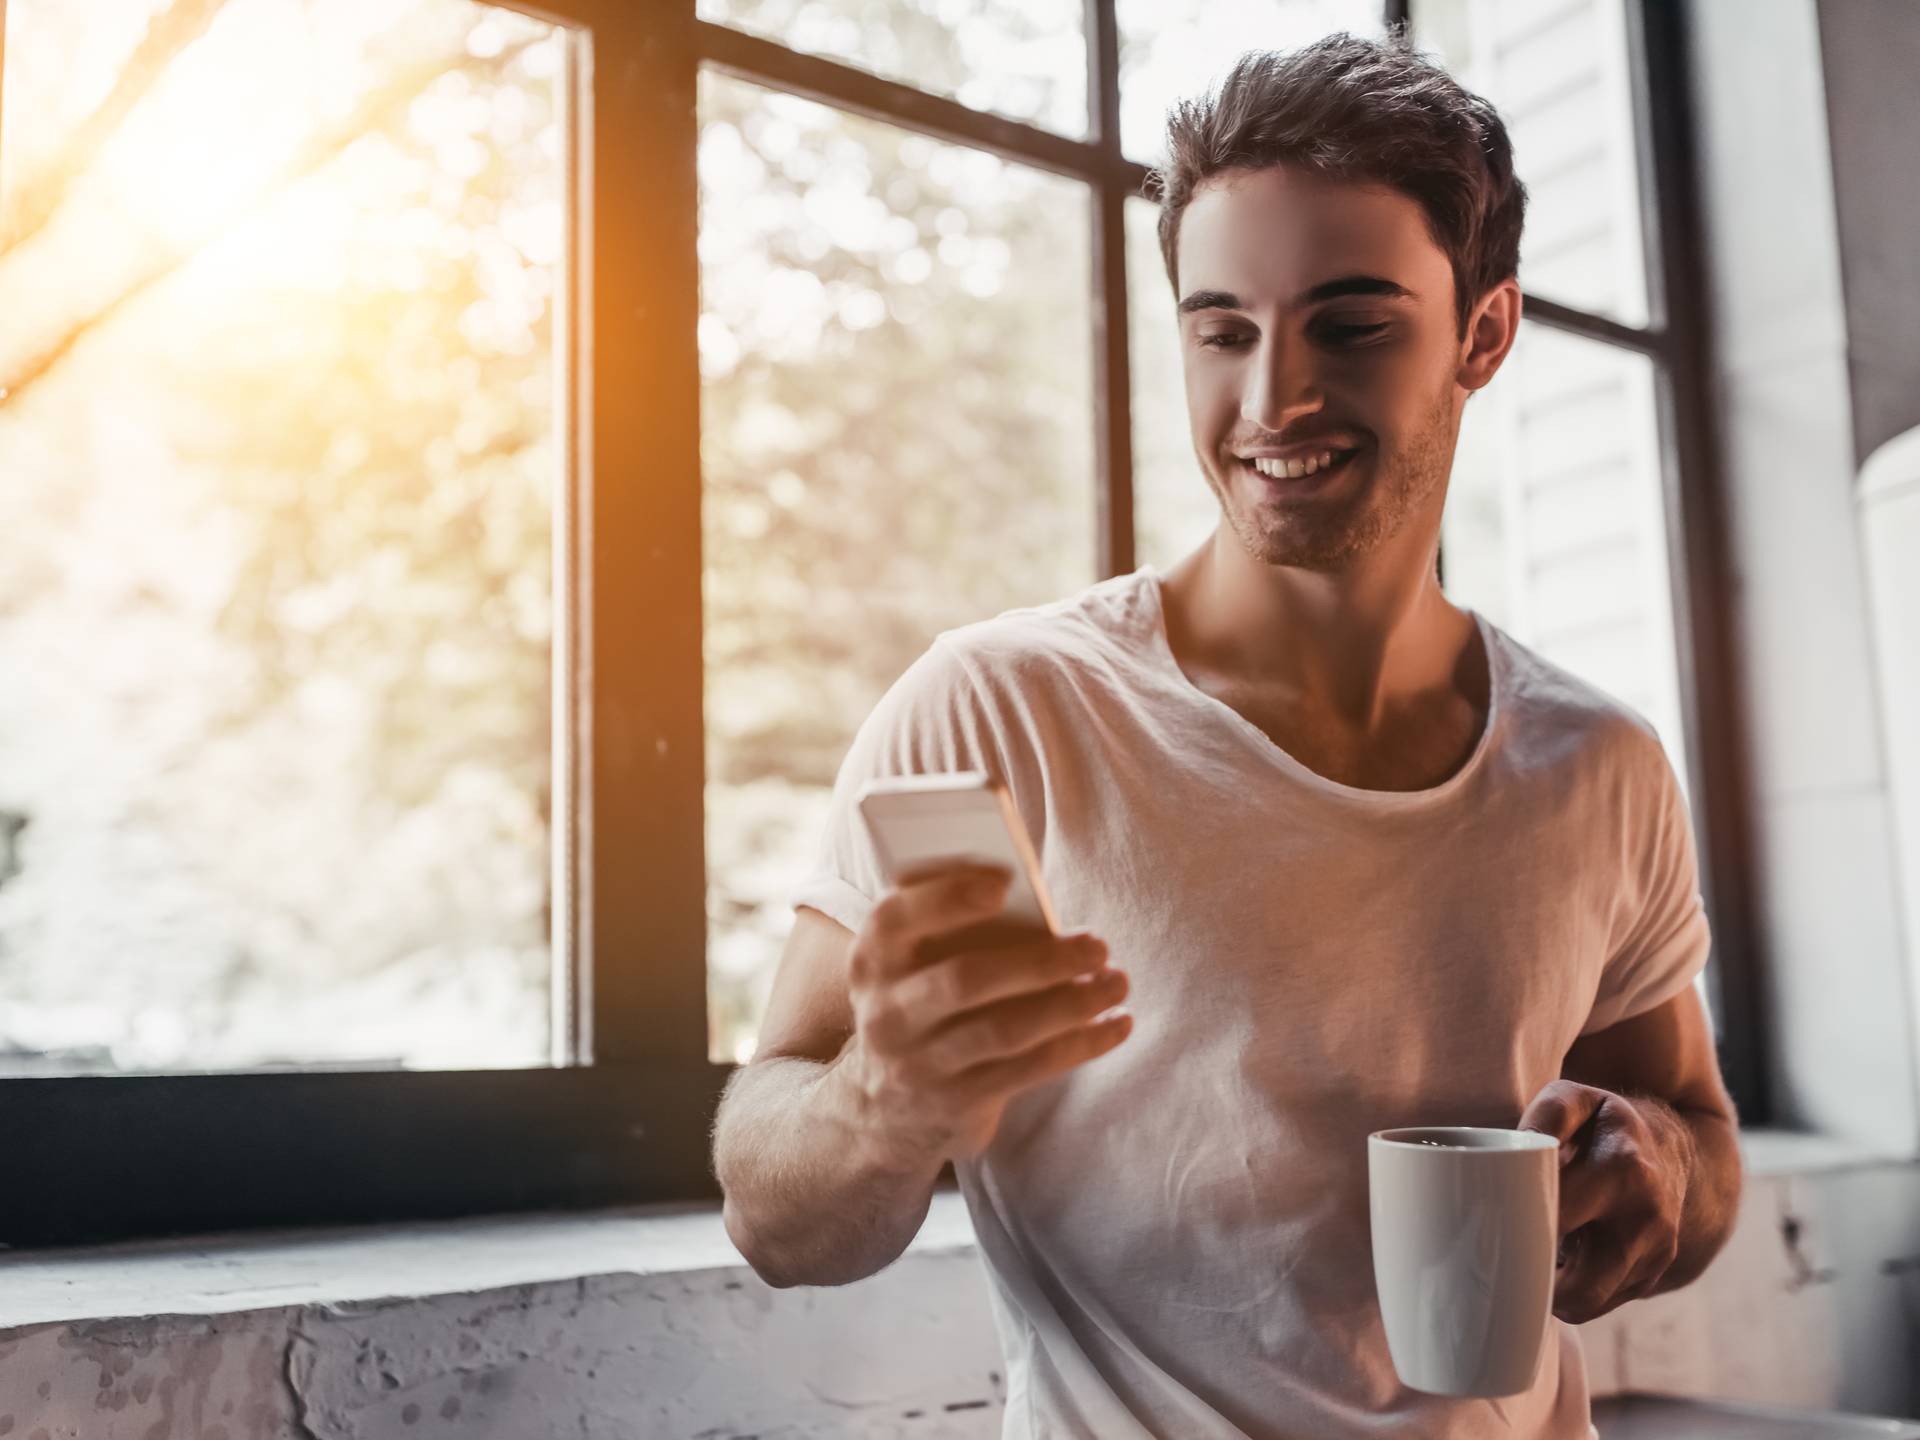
x,y
1496,681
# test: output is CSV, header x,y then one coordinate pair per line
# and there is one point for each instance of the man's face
x,y
1317,315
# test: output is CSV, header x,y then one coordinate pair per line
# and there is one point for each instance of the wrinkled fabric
x,y
1175,1234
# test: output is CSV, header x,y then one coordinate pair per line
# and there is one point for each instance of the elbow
x,y
751,1250
783,1270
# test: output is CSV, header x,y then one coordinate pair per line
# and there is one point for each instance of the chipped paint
x,y
713,1353
1799,1309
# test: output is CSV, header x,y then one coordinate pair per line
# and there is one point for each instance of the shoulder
x,y
1558,720
1027,648
1001,676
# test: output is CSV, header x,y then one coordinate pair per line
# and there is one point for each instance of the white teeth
x,y
1294,469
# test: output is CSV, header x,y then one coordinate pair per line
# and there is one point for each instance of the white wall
x,y
1835,978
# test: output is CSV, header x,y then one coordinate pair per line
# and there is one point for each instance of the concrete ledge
x,y
227,1274
645,1323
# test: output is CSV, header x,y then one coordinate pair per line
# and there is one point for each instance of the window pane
x,y
278,439
1555,523
1174,509
1559,76
1175,49
1025,59
896,435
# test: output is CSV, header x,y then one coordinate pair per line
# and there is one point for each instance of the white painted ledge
x,y
230,1274
1793,1152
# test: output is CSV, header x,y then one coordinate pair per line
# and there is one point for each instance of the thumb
x,y
1561,1110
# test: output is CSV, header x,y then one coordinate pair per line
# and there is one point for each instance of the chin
x,y
1306,537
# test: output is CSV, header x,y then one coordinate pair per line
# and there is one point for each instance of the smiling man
x,y
1364,860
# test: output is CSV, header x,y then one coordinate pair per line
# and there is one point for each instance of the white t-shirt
x,y
1176,1234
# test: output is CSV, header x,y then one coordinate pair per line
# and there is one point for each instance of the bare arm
x,y
879,1061
810,1199
1663,1061
1650,1178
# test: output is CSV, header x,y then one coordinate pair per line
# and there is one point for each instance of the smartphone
x,y
928,822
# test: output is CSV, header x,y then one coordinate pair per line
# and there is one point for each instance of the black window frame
x,y
625,1115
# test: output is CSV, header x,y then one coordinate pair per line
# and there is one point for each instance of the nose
x,y
1280,387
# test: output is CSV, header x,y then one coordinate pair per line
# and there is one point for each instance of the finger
x,y
972,979
1561,1109
1600,1263
933,903
1588,1191
1043,1062
1012,1027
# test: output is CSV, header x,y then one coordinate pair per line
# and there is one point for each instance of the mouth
x,y
1312,472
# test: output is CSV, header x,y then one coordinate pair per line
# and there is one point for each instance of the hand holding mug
x,y
1623,1185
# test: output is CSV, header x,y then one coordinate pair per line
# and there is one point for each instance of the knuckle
x,y
890,1020
942,1054
889,917
919,1067
1064,959
1669,1250
947,988
1000,1032
886,1021
959,887
1642,1166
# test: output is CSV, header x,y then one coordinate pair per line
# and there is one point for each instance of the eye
x,y
1351,334
1225,340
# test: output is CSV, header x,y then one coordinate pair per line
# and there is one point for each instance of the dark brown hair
x,y
1371,111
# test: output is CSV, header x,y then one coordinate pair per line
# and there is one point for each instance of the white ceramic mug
x,y
1464,1227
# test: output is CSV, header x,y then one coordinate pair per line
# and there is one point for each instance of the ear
x,y
1490,332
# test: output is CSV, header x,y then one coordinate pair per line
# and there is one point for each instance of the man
x,y
1362,859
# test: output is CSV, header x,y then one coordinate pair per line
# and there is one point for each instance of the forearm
x,y
1705,1143
813,1195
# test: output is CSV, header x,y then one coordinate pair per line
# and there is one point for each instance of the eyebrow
x,y
1325,290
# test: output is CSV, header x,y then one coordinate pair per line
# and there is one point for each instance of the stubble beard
x,y
1328,535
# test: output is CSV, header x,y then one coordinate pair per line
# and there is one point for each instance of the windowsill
x,y
232,1273
226,1274
1794,1152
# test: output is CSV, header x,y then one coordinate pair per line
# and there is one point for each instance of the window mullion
x,y
646,883
1112,384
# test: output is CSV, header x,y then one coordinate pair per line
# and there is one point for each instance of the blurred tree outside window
x,y
896,438
277,433
1024,59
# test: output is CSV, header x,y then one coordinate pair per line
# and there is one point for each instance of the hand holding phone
x,y
963,991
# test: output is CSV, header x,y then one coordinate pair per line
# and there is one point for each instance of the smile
x,y
1319,464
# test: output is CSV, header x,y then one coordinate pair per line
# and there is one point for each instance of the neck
x,y
1357,644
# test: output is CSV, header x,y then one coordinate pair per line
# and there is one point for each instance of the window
x,y
281,433
896,437
474,500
